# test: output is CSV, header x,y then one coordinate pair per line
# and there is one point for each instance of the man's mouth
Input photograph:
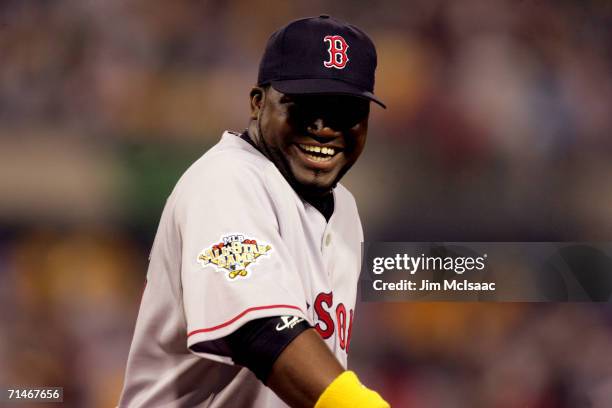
x,y
318,153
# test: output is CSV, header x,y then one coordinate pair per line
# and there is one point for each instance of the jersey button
x,y
328,240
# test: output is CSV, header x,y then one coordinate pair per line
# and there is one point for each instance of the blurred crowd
x,y
498,128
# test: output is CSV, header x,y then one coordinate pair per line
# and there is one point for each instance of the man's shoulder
x,y
229,166
229,157
231,152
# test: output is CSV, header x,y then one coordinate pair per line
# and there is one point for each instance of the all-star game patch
x,y
233,254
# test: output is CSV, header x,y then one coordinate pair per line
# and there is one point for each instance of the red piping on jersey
x,y
250,309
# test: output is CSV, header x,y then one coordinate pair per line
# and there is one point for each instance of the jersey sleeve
x,y
234,264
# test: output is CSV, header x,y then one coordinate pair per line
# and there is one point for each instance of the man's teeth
x,y
316,149
318,158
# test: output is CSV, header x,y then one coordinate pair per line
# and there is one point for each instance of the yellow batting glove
x,y
347,392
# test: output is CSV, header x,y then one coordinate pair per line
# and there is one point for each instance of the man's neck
x,y
324,203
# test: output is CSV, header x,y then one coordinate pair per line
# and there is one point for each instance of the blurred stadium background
x,y
498,128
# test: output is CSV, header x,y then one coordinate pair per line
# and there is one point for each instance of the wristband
x,y
347,392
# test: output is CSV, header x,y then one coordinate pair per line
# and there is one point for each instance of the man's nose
x,y
321,128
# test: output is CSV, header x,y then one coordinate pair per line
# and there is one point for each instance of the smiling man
x,y
252,282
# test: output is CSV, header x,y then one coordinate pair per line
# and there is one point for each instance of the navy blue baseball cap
x,y
319,56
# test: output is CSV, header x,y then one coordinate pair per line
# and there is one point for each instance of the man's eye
x,y
286,99
351,115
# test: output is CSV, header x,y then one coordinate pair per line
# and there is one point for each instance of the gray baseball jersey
x,y
236,243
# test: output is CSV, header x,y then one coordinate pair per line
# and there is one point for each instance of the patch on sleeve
x,y
233,254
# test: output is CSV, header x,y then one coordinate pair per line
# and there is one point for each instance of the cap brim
x,y
322,86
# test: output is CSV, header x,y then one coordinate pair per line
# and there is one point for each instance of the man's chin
x,y
309,184
314,189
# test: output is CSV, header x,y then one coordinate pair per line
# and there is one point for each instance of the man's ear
x,y
256,98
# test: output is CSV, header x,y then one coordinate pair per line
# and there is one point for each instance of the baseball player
x,y
251,286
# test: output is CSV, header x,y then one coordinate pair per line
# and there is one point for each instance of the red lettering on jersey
x,y
341,319
326,323
323,314
337,52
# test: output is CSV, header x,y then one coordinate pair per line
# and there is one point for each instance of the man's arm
x,y
304,370
290,357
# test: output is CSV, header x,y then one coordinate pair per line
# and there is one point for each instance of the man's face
x,y
312,139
